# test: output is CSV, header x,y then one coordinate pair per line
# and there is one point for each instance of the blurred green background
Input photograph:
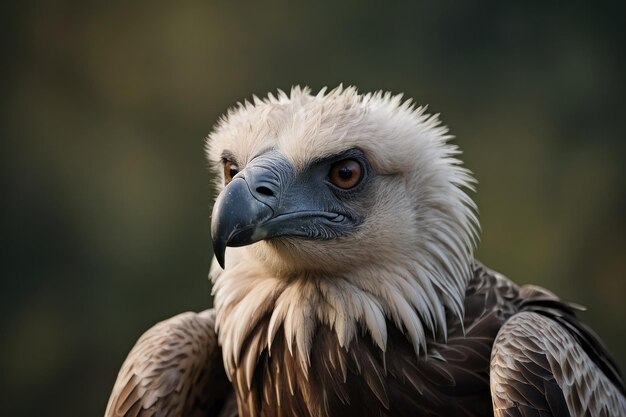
x,y
106,195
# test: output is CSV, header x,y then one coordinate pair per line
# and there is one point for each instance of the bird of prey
x,y
345,284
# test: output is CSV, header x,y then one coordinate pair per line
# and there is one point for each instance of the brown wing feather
x,y
175,369
542,301
540,368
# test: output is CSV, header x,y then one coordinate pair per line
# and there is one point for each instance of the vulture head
x,y
330,207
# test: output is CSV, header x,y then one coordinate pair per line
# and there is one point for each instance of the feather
x,y
169,368
389,316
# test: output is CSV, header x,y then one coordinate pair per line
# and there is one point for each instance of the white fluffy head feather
x,y
410,258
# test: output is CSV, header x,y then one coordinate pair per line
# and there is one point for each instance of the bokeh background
x,y
106,194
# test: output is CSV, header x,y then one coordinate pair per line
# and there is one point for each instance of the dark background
x,y
106,194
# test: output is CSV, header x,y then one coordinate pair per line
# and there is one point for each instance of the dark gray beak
x,y
236,217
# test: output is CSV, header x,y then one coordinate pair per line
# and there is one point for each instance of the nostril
x,y
265,191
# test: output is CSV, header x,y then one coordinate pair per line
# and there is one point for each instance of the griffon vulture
x,y
345,284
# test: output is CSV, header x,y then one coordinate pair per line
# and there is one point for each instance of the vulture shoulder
x,y
175,369
545,362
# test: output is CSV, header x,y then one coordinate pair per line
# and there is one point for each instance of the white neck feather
x,y
413,296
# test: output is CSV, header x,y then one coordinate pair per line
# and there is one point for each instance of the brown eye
x,y
230,170
345,174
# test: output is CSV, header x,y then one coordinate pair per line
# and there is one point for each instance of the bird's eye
x,y
230,170
345,174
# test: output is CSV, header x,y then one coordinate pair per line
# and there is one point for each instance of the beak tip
x,y
220,260
219,251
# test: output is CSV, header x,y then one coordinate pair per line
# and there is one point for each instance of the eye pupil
x,y
345,173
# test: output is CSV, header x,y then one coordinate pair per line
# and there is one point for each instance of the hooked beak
x,y
236,217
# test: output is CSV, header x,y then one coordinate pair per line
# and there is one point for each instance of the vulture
x,y
345,283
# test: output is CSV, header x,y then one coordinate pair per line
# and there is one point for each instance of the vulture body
x,y
345,284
